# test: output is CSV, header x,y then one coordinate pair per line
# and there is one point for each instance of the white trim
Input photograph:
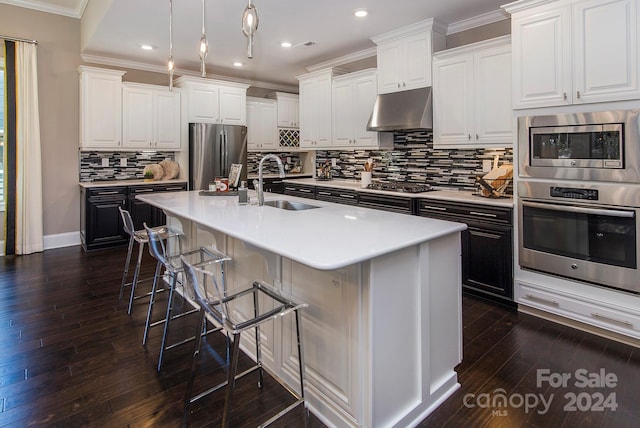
x,y
477,21
57,10
96,59
356,56
2,248
60,240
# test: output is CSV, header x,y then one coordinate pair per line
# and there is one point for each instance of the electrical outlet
x,y
334,162
486,165
123,161
105,161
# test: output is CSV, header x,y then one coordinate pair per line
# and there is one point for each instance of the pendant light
x,y
170,65
249,26
204,47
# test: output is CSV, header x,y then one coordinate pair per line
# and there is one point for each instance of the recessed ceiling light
x,y
147,47
285,44
360,13
238,64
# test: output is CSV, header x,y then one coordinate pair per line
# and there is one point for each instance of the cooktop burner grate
x,y
400,187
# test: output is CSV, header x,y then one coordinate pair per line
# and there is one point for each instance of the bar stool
x,y
141,237
173,267
215,303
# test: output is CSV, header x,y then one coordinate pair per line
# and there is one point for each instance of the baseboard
x,y
60,240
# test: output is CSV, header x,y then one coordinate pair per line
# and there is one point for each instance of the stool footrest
x,y
223,384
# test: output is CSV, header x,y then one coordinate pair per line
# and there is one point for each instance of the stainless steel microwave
x,y
597,146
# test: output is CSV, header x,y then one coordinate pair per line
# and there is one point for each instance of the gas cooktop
x,y
401,187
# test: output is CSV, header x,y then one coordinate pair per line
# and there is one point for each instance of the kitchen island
x,y
382,332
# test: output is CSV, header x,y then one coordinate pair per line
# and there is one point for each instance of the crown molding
x,y
346,59
134,65
477,21
57,10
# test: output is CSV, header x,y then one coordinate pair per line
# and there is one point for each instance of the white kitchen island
x,y
383,330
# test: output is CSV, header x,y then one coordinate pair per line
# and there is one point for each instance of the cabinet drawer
x,y
336,195
598,314
300,190
107,192
448,210
387,203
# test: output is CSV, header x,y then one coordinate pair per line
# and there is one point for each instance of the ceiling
x,y
113,31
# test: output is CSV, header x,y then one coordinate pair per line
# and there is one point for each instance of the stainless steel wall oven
x,y
582,231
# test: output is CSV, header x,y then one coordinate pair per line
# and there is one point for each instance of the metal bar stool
x,y
215,303
173,267
141,237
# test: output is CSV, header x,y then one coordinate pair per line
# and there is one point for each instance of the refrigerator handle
x,y
225,165
221,154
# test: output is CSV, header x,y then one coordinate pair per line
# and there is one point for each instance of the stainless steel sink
x,y
290,205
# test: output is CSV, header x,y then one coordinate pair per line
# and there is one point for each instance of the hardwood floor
x,y
70,356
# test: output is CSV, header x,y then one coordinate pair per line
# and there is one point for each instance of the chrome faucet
x,y
258,185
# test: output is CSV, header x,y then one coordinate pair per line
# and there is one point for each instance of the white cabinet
x,y
214,101
574,52
100,108
315,109
404,56
472,96
151,117
262,132
288,109
352,102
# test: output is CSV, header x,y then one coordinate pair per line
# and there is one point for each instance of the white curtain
x,y
29,229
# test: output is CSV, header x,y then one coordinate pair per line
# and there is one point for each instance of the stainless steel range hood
x,y
402,111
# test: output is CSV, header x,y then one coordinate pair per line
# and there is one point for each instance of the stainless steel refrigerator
x,y
212,150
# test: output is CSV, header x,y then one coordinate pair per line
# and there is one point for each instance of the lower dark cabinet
x,y
101,224
487,246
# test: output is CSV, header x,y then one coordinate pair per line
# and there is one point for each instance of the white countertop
x,y
447,195
330,237
138,182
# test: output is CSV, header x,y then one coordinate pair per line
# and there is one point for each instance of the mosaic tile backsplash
x,y
91,168
414,159
289,159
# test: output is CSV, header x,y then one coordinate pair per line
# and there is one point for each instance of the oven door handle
x,y
580,210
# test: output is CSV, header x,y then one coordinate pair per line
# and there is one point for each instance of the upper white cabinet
x,y
315,109
151,117
288,109
352,102
262,132
404,56
214,101
472,96
100,108
570,52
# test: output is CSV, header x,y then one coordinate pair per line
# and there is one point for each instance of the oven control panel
x,y
572,193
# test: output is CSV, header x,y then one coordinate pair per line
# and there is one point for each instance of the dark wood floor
x,y
70,356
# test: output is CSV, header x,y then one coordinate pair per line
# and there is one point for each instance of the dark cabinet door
x,y
487,260
103,223
141,213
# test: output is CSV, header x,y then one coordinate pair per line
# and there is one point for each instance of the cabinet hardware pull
x,y
540,299
469,137
564,96
306,190
606,318
398,84
324,193
342,195
174,188
483,214
477,137
143,190
429,207
578,94
108,193
404,84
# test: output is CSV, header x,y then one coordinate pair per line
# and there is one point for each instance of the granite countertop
x,y
350,234
138,182
441,194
